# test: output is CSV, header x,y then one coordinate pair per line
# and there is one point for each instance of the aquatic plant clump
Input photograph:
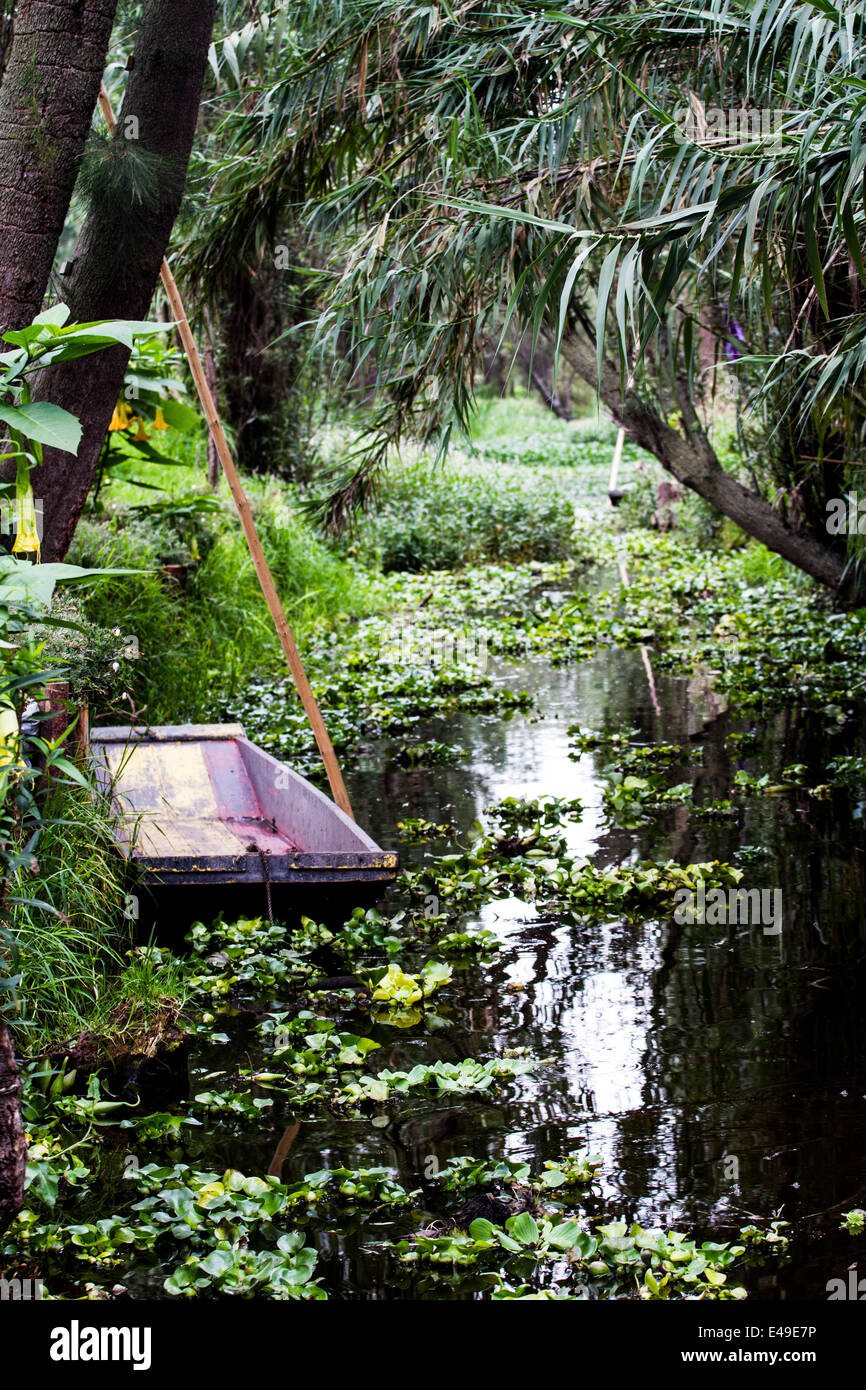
x,y
202,1233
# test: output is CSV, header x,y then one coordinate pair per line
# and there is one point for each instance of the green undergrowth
x,y
438,647
449,516
640,781
227,1234
199,635
766,642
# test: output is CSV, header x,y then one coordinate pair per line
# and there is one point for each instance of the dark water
x,y
719,1071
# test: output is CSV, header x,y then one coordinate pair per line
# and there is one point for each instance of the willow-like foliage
x,y
622,173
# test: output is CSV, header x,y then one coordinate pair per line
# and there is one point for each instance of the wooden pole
x,y
614,468
213,463
272,598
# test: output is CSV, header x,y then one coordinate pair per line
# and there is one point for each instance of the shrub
x,y
448,517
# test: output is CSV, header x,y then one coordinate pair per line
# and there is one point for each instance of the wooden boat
x,y
200,804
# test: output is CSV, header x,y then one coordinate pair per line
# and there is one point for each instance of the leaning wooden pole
x,y
272,598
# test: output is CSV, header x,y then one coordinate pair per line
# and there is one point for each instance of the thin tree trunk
x,y
13,1149
53,70
120,250
549,396
692,460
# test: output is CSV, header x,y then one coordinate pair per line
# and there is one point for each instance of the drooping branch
x,y
690,457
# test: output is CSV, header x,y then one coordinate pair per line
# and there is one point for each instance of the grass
x,y
79,970
140,993
518,418
69,927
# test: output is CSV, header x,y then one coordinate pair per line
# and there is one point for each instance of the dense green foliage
x,y
453,517
199,641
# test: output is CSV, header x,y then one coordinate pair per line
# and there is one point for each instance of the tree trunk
x,y
120,250
13,1150
691,459
53,70
7,19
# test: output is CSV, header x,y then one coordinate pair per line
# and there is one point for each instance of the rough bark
x,y
7,17
117,260
13,1149
690,457
53,70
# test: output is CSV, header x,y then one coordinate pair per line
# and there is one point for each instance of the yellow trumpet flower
x,y
8,735
27,536
122,417
12,765
159,422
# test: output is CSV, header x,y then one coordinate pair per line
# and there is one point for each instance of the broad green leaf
x,y
181,417
435,974
523,1228
481,1229
566,1236
21,582
46,423
58,314
218,1262
69,770
553,1177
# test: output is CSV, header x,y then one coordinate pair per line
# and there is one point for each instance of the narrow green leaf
x,y
605,281
852,241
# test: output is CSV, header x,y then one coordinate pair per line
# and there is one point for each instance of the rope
x,y
263,855
253,848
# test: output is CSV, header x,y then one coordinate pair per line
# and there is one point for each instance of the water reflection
x,y
719,1071
281,1153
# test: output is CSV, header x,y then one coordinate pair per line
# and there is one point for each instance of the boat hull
x,y
199,804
